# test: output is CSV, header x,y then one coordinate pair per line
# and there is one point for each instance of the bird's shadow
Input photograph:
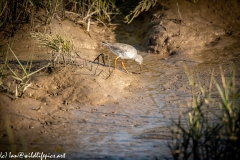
x,y
98,59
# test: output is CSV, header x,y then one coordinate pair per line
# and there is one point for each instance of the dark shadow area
x,y
183,27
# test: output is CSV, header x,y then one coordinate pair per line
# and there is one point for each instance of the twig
x,y
179,17
88,24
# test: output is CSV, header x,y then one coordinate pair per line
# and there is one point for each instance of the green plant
x,y
230,115
60,46
199,135
23,79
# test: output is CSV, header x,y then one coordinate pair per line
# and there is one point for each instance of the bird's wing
x,y
122,50
113,48
124,47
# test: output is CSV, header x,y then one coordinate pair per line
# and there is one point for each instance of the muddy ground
x,y
89,112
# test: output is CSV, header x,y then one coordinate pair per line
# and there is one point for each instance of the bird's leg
x,y
140,66
115,62
124,67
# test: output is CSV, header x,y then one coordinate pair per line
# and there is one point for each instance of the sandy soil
x,y
86,111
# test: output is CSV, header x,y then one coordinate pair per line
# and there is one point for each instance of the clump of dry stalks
x,y
143,5
101,11
13,13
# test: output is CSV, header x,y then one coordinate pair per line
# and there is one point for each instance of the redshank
x,y
124,51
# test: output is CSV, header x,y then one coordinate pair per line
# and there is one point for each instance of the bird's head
x,y
139,59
